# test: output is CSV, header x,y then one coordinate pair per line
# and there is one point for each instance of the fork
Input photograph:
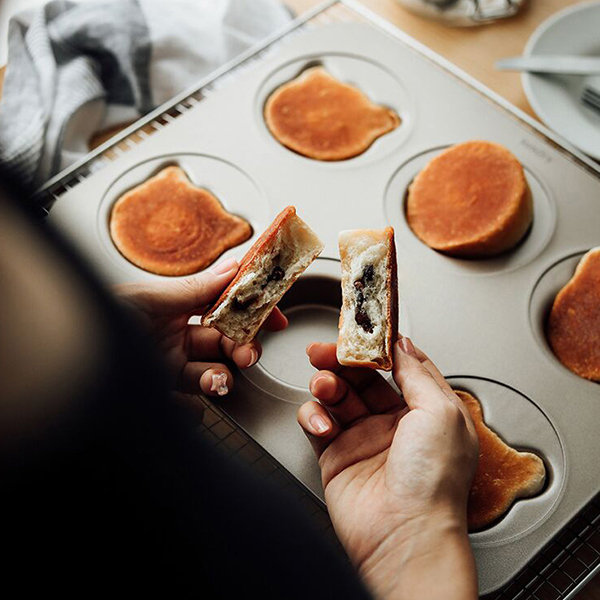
x,y
591,98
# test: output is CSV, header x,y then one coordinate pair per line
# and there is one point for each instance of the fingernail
x,y
309,347
322,377
224,266
318,424
219,384
313,382
253,357
407,347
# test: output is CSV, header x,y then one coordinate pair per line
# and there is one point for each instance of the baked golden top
x,y
320,117
574,323
168,226
470,200
503,474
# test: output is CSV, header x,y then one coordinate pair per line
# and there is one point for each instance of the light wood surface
x,y
473,49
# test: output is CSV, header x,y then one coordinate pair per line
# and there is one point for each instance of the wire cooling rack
x,y
557,572
563,567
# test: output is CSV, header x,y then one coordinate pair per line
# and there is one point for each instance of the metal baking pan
x,y
481,321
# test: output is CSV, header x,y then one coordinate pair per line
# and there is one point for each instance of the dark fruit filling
x,y
361,285
276,274
239,305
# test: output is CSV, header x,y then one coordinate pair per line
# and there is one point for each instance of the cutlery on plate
x,y
551,63
591,98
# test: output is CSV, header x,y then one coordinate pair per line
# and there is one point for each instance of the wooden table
x,y
474,50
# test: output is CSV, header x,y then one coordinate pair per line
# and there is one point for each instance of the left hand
x,y
194,353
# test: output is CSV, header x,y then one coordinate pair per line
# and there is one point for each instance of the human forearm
x,y
426,559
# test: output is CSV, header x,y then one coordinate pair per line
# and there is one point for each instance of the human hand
x,y
194,353
396,472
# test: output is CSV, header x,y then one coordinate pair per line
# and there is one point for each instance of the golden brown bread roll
x,y
472,200
320,117
168,226
574,323
503,474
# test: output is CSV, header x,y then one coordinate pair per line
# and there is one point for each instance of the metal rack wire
x,y
225,435
561,569
558,572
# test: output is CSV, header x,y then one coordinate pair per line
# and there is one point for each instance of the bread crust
x,y
471,201
385,361
168,226
503,474
323,118
573,327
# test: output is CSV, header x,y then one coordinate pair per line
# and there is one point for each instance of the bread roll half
x,y
472,200
369,317
267,271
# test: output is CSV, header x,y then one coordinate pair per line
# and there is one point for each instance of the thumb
x,y
192,293
186,295
419,388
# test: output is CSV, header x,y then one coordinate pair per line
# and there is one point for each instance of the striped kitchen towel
x,y
74,69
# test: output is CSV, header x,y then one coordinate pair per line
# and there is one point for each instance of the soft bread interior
x,y
361,253
268,277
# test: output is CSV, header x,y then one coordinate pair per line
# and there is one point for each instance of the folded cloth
x,y
74,69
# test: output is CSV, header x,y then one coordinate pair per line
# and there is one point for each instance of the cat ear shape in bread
x,y
168,226
323,118
503,474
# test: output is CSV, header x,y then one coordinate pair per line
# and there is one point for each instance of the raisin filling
x,y
239,305
276,274
360,285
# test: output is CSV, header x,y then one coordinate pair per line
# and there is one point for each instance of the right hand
x,y
396,470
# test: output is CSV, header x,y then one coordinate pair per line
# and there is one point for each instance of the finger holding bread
x,y
276,321
318,426
375,391
429,365
203,343
185,296
340,399
419,387
436,374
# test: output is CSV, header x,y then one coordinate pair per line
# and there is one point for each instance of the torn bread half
x,y
270,267
369,316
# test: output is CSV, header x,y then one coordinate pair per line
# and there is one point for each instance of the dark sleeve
x,y
130,500
117,495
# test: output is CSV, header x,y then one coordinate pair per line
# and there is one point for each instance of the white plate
x,y
557,98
